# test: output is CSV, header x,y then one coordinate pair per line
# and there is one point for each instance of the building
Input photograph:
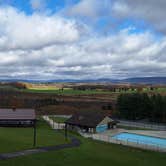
x,y
17,117
90,122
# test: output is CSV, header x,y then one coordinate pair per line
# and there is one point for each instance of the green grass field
x,y
70,91
15,139
67,91
91,153
85,92
44,88
73,92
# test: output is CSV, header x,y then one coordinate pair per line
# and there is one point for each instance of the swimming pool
x,y
141,139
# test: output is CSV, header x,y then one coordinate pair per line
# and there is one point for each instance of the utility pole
x,y
65,130
34,133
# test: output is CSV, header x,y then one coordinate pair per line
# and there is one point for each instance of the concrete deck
x,y
160,134
106,137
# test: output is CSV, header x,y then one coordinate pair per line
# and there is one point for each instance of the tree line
x,y
138,106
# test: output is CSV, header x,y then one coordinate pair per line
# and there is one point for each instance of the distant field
x,y
161,90
67,91
155,90
86,92
57,89
44,88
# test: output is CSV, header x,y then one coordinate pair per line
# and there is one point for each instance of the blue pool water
x,y
101,128
141,139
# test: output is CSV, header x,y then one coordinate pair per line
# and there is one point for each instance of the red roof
x,y
17,114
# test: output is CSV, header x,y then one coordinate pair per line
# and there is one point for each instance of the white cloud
x,y
19,31
151,11
51,47
37,4
89,8
116,56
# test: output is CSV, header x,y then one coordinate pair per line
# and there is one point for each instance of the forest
x,y
138,106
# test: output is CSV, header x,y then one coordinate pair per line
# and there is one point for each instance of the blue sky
x,y
25,5
100,24
82,39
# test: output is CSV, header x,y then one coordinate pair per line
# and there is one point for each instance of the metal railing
x,y
142,125
106,138
131,142
53,124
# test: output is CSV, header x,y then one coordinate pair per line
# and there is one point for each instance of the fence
x,y
53,124
142,125
130,142
106,138
62,116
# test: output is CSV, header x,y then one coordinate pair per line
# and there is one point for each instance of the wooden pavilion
x,y
18,118
90,122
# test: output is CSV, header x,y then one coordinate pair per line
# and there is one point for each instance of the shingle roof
x,y
90,119
17,114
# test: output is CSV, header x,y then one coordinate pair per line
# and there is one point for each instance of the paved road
x,y
74,143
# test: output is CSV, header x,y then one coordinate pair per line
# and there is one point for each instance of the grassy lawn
x,y
92,153
58,119
15,139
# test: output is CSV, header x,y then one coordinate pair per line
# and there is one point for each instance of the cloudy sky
x,y
82,39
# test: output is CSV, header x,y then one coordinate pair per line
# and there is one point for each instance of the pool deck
x,y
105,136
159,134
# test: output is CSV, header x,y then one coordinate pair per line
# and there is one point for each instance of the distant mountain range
x,y
147,80
138,80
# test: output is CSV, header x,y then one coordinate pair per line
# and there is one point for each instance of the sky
x,y
82,39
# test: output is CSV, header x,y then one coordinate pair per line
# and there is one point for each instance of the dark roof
x,y
86,119
17,114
